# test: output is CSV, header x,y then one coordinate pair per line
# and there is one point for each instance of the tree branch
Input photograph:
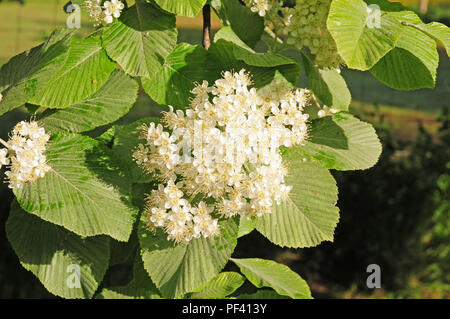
x,y
206,26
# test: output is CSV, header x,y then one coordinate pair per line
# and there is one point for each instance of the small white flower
x,y
113,8
108,19
4,160
106,13
260,6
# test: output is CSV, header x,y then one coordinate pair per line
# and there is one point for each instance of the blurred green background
x,y
396,215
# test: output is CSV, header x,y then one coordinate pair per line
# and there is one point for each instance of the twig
x,y
206,26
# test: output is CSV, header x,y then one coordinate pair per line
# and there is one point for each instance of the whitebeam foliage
x,y
168,206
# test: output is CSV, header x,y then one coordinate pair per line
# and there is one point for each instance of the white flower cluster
x,y
168,209
222,155
106,13
24,154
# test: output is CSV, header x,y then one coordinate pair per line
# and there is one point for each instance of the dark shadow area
x,y
15,281
335,136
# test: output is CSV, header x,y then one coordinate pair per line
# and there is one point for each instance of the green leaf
x,y
359,43
127,292
262,59
267,273
309,216
262,294
189,64
86,69
112,101
413,62
328,85
141,39
188,8
121,252
343,142
218,288
26,74
241,51
126,139
387,5
264,76
140,287
140,192
261,76
439,32
411,65
186,65
246,54
84,192
224,51
227,34
178,269
246,226
53,254
247,25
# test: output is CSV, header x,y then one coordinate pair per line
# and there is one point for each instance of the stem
x,y
274,45
420,29
315,100
408,24
4,143
192,197
195,198
279,46
271,34
206,26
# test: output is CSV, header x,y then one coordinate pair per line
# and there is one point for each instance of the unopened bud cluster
x,y
104,13
221,157
304,25
308,28
24,155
